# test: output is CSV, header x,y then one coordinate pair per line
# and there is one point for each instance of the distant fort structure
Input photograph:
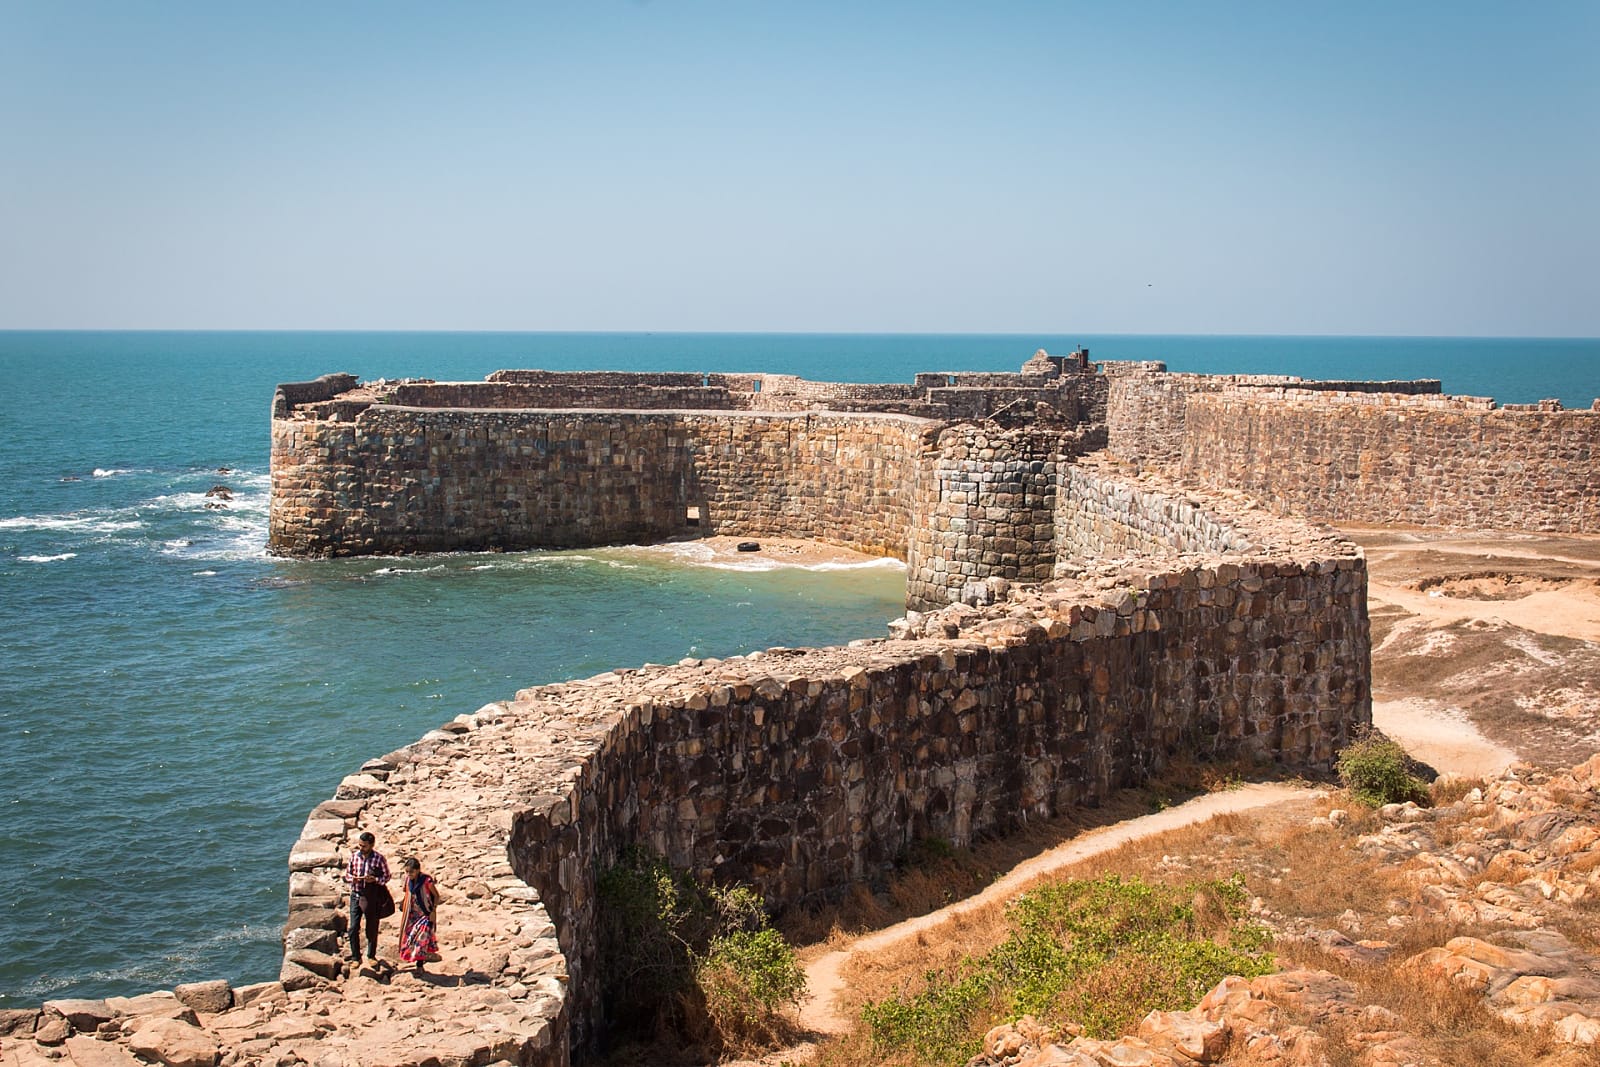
x,y
1109,567
965,476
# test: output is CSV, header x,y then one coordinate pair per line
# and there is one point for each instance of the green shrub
x,y
748,979
678,956
1376,771
1095,954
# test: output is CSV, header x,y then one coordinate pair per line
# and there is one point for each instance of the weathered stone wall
x,y
1105,513
1146,406
374,477
1432,461
613,378
290,395
401,479
800,772
559,395
840,479
983,507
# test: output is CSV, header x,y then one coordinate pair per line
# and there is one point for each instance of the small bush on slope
x,y
1376,772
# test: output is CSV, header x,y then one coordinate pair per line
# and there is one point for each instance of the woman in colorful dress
x,y
419,907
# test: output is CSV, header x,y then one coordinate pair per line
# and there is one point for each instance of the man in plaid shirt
x,y
366,867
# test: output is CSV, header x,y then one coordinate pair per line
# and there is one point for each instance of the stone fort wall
x,y
962,504
1429,461
1374,452
803,771
1173,621
403,479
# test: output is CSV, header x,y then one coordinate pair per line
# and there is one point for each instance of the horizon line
x,y
788,333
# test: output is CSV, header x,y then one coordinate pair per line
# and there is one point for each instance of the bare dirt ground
x,y
1481,637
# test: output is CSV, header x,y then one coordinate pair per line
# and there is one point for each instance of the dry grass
x,y
1306,872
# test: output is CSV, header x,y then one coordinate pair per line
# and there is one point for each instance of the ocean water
x,y
173,701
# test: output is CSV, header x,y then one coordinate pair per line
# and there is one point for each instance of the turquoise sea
x,y
173,701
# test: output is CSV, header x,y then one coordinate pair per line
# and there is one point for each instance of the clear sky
x,y
988,166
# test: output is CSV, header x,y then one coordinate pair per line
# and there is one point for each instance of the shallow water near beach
x,y
173,701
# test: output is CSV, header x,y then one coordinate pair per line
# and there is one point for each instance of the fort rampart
x,y
1426,461
410,479
803,771
428,466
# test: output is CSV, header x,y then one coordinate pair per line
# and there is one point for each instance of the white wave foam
x,y
112,472
386,571
47,559
75,523
205,574
885,562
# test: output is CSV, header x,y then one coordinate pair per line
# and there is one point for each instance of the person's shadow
x,y
446,979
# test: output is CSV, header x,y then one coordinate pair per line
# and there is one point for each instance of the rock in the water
x,y
175,1043
210,997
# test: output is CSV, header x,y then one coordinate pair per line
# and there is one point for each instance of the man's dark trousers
x,y
356,915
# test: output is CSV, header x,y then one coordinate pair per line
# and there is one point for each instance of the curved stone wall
x,y
1431,461
803,771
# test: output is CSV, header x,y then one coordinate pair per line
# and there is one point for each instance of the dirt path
x,y
824,975
1441,737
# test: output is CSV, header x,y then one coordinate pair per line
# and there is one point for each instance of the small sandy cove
x,y
779,550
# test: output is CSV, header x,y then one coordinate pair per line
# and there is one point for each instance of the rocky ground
x,y
1505,880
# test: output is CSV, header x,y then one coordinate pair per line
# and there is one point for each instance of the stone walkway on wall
x,y
498,994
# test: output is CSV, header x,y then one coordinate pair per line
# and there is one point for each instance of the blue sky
x,y
1346,168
